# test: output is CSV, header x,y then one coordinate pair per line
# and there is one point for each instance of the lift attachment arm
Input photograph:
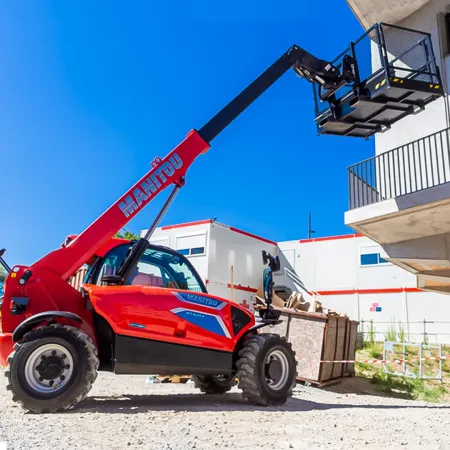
x,y
171,170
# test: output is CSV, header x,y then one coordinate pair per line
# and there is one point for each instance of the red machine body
x,y
152,311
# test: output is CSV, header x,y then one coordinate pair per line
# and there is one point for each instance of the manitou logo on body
x,y
151,186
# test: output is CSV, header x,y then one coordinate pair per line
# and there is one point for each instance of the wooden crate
x,y
315,337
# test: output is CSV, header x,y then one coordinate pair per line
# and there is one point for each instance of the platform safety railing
x,y
399,51
418,165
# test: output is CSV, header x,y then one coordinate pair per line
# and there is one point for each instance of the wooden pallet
x,y
175,379
318,384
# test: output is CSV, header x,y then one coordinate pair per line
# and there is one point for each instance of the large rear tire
x,y
52,369
214,384
267,370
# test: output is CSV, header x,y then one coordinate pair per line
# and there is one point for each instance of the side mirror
x,y
2,252
277,264
265,257
112,280
272,261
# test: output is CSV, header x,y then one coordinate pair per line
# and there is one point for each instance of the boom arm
x,y
172,169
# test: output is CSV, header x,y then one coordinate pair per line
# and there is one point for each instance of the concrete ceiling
x,y
420,222
369,12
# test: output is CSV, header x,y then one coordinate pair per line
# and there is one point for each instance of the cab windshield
x,y
157,267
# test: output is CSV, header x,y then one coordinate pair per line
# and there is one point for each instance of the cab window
x,y
156,267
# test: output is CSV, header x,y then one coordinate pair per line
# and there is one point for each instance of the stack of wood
x,y
296,302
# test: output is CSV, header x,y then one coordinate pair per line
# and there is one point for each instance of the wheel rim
x,y
276,370
49,368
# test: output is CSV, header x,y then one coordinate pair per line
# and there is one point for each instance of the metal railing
x,y
401,52
412,167
403,351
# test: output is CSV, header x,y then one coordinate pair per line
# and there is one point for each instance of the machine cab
x,y
162,308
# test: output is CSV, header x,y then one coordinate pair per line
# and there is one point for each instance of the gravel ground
x,y
122,412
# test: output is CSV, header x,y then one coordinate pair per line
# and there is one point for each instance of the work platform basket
x,y
396,76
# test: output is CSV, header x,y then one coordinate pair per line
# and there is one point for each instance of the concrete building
x,y
400,198
346,273
349,274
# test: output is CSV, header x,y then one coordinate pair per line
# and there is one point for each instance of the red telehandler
x,y
142,308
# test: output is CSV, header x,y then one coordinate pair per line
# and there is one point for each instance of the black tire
x,y
211,384
252,370
77,350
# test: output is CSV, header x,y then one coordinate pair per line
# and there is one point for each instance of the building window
x,y
371,259
444,32
371,256
192,251
191,245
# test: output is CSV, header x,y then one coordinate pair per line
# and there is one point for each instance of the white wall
x,y
229,247
335,264
331,268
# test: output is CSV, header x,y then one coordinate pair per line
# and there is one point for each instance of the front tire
x,y
52,369
214,384
267,370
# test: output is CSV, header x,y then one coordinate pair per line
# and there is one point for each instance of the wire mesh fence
x,y
409,53
420,331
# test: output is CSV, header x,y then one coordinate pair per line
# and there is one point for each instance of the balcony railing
x,y
419,165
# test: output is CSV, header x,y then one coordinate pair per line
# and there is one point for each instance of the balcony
x,y
401,199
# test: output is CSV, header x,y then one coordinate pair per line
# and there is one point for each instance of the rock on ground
x,y
122,412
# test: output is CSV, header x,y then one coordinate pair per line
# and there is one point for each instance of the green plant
x,y
127,235
391,334
413,387
401,332
412,350
371,333
446,365
374,349
434,394
364,367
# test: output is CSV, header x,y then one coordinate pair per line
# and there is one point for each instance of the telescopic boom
x,y
171,170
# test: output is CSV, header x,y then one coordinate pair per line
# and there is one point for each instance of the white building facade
x,y
404,202
349,274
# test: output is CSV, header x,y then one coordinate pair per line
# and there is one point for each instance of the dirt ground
x,y
125,413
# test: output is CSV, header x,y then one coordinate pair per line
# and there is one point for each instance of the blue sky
x,y
93,91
